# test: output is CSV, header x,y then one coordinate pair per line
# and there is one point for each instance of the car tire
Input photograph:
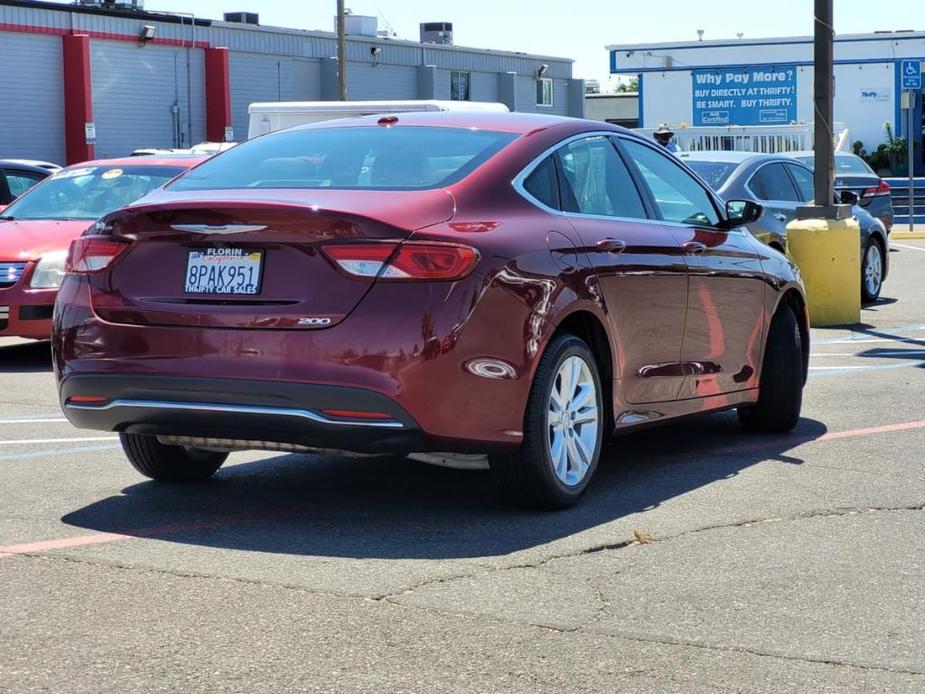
x,y
530,474
780,390
165,463
871,271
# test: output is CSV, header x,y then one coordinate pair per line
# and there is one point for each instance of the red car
x,y
37,228
506,289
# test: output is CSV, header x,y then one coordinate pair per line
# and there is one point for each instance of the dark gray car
x,y
781,184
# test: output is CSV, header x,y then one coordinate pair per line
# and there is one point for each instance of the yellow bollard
x,y
828,253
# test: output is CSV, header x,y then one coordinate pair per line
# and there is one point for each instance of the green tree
x,y
630,86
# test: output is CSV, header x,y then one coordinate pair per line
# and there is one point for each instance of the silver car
x,y
781,184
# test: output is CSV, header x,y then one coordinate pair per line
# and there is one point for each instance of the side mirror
x,y
849,197
742,212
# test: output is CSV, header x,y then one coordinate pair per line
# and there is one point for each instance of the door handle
x,y
780,217
694,247
611,245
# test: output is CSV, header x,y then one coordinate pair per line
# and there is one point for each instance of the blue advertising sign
x,y
912,74
745,96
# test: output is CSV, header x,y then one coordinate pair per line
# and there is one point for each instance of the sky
x,y
577,29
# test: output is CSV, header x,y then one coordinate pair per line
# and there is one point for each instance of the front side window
x,y
597,181
19,182
459,86
677,195
771,182
365,157
804,181
89,192
544,91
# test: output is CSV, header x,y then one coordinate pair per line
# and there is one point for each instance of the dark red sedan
x,y
469,289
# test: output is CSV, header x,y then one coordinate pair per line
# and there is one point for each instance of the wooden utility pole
x,y
823,65
341,51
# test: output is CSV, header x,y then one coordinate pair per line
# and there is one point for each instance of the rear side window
x,y
771,182
543,184
804,181
372,158
597,181
677,194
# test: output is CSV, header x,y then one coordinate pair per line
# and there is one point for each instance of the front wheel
x,y
871,272
170,463
780,390
563,430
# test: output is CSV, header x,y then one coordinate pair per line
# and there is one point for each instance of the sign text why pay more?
x,y
750,96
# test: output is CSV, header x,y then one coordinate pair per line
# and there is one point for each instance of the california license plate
x,y
223,271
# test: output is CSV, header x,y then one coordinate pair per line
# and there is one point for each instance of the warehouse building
x,y
769,82
103,77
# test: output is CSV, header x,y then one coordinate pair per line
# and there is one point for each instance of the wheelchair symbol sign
x,y
912,74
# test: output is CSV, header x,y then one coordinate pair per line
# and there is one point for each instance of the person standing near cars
x,y
665,137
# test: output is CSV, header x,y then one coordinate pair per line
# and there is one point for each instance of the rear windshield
x,y
372,158
844,164
89,192
714,173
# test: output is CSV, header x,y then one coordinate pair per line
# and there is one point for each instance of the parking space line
x,y
29,442
866,335
884,354
833,370
902,245
57,451
36,420
158,532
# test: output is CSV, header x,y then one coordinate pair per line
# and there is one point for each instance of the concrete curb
x,y
907,235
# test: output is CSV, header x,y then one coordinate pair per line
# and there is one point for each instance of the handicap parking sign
x,y
912,74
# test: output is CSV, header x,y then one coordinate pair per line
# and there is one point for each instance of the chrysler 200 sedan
x,y
468,289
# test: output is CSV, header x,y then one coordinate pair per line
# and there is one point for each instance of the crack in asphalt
x,y
584,628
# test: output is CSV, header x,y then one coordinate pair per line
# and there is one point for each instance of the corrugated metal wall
x,y
255,77
32,110
134,91
381,81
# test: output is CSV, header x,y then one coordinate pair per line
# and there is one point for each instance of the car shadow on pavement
x,y
25,357
387,507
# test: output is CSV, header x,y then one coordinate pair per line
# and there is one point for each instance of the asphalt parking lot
x,y
766,563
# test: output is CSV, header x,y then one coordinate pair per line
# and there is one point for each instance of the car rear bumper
x,y
315,416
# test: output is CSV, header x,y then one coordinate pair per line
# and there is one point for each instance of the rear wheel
x,y
780,395
170,463
871,271
563,430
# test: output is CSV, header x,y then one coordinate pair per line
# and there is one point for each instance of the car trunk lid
x,y
280,232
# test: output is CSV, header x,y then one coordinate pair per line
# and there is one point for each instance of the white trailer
x,y
268,117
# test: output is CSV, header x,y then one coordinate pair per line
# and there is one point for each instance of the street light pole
x,y
341,51
824,169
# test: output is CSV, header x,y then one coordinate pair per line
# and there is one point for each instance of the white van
x,y
267,117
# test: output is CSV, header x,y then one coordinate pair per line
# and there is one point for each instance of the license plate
x,y
223,271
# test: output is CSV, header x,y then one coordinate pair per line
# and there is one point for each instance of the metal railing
x,y
769,139
900,193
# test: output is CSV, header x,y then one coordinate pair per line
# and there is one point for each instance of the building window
x,y
459,86
544,91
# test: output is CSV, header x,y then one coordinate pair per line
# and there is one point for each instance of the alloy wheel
x,y
873,269
572,420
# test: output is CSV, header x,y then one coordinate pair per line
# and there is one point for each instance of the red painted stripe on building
x,y
78,97
100,35
218,94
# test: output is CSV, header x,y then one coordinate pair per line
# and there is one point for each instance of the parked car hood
x,y
29,239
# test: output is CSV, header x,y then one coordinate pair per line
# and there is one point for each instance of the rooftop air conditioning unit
x,y
242,17
359,25
437,32
127,5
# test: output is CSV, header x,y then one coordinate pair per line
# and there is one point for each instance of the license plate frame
x,y
252,259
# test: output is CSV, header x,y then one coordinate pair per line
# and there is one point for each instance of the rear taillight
x,y
93,253
883,188
412,260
